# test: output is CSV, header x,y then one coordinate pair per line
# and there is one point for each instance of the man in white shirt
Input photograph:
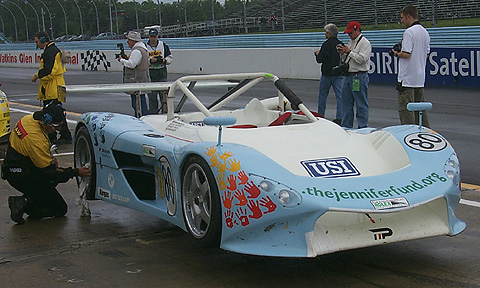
x,y
355,87
411,63
136,70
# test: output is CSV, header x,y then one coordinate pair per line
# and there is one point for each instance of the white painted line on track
x,y
470,203
63,154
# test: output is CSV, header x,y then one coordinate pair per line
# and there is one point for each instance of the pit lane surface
x,y
118,247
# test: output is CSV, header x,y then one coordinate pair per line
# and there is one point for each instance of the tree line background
x,y
147,11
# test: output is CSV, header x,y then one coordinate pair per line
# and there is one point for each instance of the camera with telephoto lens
x,y
122,51
397,47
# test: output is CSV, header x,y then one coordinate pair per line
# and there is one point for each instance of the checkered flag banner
x,y
92,59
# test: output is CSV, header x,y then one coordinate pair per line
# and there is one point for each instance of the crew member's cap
x,y
153,32
53,113
354,25
134,36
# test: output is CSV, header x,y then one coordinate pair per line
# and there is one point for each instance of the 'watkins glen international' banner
x,y
90,60
452,67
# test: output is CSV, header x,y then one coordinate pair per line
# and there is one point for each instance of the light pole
x,y
136,12
185,12
160,18
325,9
245,15
110,12
65,16
79,13
36,14
213,18
14,21
50,15
24,16
116,16
283,18
96,14
3,26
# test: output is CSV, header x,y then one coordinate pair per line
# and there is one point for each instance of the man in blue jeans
x,y
355,87
329,58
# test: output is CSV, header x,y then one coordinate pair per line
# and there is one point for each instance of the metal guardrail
x,y
440,37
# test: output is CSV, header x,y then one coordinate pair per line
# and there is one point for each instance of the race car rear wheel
x,y
201,202
83,156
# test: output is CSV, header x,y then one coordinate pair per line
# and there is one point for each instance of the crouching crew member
x,y
30,168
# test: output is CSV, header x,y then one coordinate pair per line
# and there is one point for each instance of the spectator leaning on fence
x,y
411,65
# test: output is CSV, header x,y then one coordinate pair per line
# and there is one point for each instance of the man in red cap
x,y
355,88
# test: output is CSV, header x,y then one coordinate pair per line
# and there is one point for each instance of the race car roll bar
x,y
254,78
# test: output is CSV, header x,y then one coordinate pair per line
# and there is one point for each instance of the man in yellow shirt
x,y
30,168
50,75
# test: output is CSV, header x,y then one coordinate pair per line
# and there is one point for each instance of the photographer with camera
x,y
122,52
412,55
159,57
355,88
136,70
330,59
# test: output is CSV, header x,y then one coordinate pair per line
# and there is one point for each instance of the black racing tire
x,y
83,155
201,202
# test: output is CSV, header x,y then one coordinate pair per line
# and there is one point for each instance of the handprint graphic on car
x,y
229,218
240,195
255,208
268,203
232,183
241,198
227,199
252,189
221,181
242,177
242,216
234,165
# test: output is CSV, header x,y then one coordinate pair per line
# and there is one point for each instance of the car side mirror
x,y
219,121
420,107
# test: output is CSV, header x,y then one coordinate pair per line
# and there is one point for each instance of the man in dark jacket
x,y
329,58
30,168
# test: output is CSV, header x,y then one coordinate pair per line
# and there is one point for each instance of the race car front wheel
x,y
83,156
201,202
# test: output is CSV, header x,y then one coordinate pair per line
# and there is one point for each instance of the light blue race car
x,y
270,178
